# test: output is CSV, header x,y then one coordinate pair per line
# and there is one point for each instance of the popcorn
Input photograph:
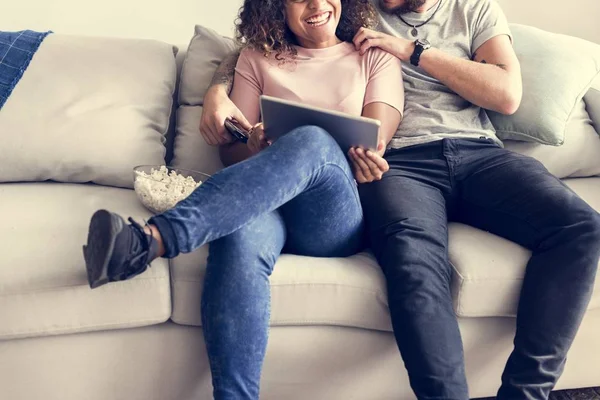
x,y
163,189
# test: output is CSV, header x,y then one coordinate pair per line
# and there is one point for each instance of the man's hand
x,y
398,47
217,108
257,140
368,166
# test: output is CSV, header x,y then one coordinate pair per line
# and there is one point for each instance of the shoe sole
x,y
103,231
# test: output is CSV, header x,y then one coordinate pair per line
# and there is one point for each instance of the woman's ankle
x,y
153,231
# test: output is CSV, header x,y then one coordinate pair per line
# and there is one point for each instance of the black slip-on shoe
x,y
115,250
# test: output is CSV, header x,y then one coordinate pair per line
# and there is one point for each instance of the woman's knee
x,y
254,248
313,138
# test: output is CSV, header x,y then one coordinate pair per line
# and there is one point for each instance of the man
x,y
446,164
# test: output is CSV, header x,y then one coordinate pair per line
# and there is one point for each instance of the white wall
x,y
173,20
168,20
572,17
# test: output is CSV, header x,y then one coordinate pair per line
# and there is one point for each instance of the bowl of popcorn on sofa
x,y
160,187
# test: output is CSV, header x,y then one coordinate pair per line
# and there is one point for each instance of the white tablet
x,y
281,116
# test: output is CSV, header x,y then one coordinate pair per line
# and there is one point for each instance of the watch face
x,y
424,42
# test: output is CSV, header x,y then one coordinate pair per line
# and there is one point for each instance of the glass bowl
x,y
161,187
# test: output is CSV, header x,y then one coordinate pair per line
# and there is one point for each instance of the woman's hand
x,y
217,108
257,139
399,47
368,166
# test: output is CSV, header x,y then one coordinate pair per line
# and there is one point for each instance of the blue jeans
x,y
480,184
298,196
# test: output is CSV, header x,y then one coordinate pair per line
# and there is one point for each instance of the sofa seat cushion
x,y
43,282
489,270
351,291
304,291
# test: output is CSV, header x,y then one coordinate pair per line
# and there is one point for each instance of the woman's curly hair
x,y
261,25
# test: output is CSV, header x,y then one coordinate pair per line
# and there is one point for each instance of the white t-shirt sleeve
x,y
489,22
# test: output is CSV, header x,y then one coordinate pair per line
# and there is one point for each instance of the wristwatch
x,y
420,46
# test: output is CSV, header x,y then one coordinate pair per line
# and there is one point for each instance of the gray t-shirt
x,y
432,111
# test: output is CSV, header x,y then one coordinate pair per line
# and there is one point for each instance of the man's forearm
x,y
487,85
223,76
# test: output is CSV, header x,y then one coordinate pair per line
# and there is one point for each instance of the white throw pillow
x,y
88,110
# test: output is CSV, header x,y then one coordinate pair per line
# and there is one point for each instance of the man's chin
x,y
408,6
389,8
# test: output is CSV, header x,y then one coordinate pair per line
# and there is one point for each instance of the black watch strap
x,y
416,55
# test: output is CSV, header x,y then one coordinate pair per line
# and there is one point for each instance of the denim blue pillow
x,y
557,71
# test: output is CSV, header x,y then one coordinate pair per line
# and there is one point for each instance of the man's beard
x,y
408,6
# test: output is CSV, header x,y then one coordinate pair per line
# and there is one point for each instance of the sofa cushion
x,y
592,102
204,54
88,109
304,291
351,292
557,71
579,156
190,149
488,276
43,282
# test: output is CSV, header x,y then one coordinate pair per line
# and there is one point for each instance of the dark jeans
x,y
299,196
478,183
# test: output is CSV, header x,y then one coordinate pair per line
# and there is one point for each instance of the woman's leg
x,y
324,222
304,160
236,305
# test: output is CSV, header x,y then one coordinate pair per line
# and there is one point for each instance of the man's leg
x,y
236,304
515,197
407,222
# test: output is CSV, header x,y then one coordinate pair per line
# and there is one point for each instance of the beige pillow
x,y
592,102
191,150
557,71
579,156
206,51
88,109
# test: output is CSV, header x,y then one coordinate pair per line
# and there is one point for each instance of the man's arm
x,y
494,84
217,106
223,77
491,80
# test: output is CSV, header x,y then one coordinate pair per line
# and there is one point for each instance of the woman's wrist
x,y
408,50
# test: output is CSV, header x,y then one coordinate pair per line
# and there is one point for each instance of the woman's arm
x,y
389,117
217,106
370,166
245,94
384,101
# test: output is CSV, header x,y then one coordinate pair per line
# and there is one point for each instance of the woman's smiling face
x,y
313,22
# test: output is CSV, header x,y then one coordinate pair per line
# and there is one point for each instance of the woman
x,y
295,195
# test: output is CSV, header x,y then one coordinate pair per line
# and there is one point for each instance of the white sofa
x,y
330,336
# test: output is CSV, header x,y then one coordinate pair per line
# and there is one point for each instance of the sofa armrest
x,y
592,103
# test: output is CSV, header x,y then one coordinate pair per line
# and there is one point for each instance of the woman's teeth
x,y
319,20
